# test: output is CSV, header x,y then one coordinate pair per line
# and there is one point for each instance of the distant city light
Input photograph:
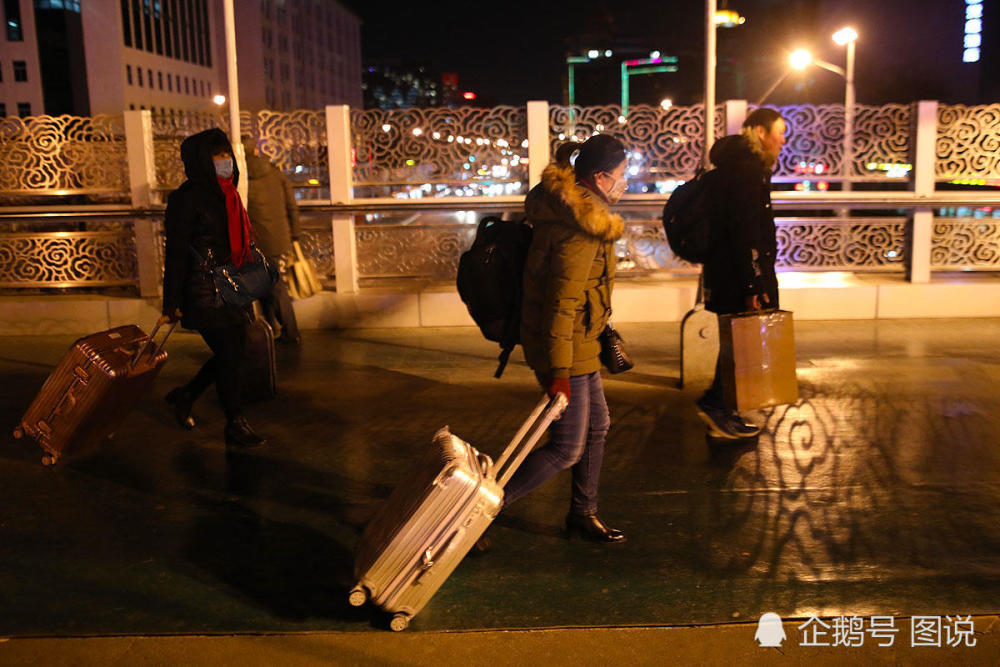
x,y
593,53
608,53
417,131
654,54
386,127
469,95
666,103
219,99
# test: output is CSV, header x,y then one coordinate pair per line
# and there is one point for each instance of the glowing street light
x,y
666,103
219,100
845,36
727,18
800,59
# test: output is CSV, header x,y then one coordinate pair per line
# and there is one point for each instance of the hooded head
x,y
196,154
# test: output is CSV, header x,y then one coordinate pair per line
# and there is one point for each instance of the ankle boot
x,y
239,434
590,527
182,402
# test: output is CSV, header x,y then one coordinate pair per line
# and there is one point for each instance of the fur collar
x,y
589,213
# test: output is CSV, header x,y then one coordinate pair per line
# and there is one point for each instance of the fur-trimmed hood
x,y
560,198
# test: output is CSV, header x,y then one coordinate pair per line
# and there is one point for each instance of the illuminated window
x,y
973,31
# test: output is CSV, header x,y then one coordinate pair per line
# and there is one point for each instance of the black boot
x,y
590,527
182,402
239,434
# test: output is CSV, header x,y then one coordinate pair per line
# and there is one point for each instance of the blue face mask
x,y
223,167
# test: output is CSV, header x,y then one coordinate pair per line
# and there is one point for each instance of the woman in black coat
x,y
206,224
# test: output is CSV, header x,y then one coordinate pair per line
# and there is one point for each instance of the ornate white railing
x,y
418,161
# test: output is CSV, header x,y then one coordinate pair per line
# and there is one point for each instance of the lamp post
x,y
847,36
714,18
229,22
572,62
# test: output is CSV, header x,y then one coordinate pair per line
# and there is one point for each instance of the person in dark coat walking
x,y
739,274
206,225
274,215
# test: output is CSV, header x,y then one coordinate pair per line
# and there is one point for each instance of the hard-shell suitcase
x,y
259,377
436,515
96,384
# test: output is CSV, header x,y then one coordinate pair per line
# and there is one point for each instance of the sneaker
x,y
720,422
743,428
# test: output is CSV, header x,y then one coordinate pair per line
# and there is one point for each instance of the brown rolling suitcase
x,y
97,383
259,377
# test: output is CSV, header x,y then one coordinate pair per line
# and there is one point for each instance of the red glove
x,y
558,385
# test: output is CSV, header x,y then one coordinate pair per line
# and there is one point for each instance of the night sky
x,y
510,52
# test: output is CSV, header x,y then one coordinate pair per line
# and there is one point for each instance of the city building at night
x,y
102,56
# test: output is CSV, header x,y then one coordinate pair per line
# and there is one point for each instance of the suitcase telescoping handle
x,y
149,342
546,412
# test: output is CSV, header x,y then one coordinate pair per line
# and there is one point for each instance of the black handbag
x,y
241,286
613,354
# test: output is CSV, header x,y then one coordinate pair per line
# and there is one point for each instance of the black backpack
x,y
490,281
687,217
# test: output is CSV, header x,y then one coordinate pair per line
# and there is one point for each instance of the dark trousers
x,y
575,441
228,345
277,307
713,395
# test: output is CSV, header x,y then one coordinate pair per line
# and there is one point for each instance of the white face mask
x,y
223,167
616,191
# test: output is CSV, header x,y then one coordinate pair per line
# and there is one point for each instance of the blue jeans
x,y
575,441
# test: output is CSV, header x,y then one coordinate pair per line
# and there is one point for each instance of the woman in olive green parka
x,y
568,279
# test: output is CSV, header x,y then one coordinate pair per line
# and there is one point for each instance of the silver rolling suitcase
x,y
435,516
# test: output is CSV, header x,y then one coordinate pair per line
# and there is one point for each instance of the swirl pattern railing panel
x,y
45,153
663,143
68,259
295,141
816,137
412,251
872,244
464,150
966,244
968,142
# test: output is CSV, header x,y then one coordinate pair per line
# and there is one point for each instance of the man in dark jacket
x,y
274,215
739,273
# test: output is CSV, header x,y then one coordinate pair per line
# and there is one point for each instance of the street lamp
x,y
572,62
847,37
801,59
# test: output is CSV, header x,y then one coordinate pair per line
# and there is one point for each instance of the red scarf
x,y
240,233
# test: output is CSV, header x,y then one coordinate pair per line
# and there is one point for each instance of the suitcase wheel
x,y
358,596
19,432
399,622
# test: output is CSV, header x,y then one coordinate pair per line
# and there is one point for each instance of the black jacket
x,y
196,219
744,243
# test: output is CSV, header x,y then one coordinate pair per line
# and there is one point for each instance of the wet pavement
x,y
877,494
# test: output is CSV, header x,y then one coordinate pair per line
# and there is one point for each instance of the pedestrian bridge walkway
x,y
874,495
